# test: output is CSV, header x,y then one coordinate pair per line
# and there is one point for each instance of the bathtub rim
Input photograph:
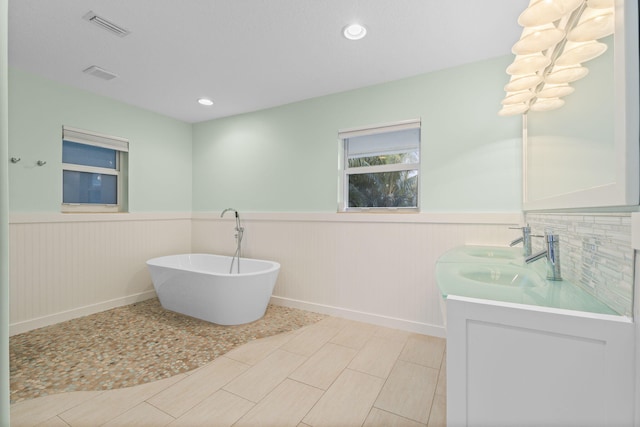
x,y
154,262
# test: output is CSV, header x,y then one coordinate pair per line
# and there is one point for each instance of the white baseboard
x,y
31,324
376,319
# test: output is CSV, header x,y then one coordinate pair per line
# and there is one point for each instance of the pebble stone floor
x,y
130,345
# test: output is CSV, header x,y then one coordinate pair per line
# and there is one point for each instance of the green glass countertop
x,y
500,274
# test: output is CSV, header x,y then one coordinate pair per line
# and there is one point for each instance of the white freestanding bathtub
x,y
199,285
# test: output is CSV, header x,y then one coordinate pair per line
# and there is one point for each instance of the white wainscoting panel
x,y
366,267
66,266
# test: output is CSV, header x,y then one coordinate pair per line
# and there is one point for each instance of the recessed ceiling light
x,y
354,31
205,101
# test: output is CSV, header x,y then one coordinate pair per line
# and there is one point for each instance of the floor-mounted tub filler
x,y
199,285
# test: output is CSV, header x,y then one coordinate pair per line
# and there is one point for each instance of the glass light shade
x,y
528,64
517,97
523,83
545,11
205,101
566,74
601,4
594,24
546,104
354,31
577,53
513,109
555,91
537,40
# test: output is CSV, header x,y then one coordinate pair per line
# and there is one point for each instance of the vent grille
x,y
100,73
105,24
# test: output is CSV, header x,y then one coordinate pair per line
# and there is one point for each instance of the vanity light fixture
x,y
558,36
354,31
205,101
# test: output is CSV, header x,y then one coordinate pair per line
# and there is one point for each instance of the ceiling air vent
x,y
100,73
105,24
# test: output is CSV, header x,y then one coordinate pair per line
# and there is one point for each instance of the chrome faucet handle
x,y
551,252
552,241
525,239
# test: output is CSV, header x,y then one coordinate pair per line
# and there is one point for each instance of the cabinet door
x,y
510,364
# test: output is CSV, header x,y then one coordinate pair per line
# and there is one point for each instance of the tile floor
x,y
336,372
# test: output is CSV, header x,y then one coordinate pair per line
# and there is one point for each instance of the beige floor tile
x,y
284,406
354,335
35,411
392,334
321,369
377,357
221,409
193,389
409,391
424,350
441,389
112,403
143,415
254,351
380,418
51,422
334,322
347,402
99,410
264,376
310,340
438,416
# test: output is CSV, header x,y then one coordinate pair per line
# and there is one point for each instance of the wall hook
x,y
41,163
15,159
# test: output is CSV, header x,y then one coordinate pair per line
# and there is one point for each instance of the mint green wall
x,y
286,158
159,156
279,159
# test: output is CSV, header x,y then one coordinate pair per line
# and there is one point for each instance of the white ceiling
x,y
251,54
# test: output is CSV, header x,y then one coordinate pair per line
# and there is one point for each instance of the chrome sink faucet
x,y
552,253
525,239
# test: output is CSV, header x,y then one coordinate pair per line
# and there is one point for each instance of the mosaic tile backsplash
x,y
595,253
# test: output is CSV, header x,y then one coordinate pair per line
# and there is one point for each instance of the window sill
x,y
381,210
89,208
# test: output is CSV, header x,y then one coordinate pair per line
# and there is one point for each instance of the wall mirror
x,y
586,153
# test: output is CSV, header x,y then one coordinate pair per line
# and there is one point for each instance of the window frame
x,y
346,171
119,145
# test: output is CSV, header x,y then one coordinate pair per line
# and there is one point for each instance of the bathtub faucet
x,y
239,233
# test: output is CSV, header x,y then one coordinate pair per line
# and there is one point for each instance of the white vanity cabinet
x,y
518,365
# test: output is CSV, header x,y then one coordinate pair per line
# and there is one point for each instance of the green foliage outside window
x,y
383,189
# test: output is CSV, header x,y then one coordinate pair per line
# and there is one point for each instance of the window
x,y
92,171
381,167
